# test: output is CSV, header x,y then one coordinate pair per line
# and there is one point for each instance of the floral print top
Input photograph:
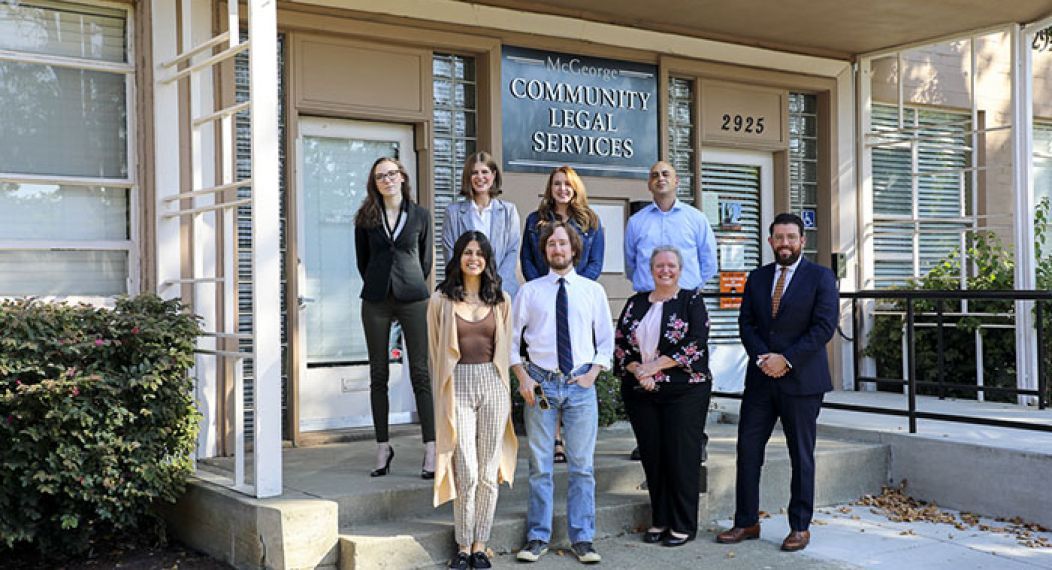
x,y
684,337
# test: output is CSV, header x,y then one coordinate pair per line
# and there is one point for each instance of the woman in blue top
x,y
565,199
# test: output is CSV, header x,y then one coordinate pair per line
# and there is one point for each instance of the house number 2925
x,y
739,123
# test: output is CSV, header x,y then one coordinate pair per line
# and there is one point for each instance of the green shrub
x,y
97,418
607,389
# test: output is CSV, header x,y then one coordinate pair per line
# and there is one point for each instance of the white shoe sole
x,y
527,556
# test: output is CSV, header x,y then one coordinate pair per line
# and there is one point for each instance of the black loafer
x,y
479,560
671,540
653,537
461,561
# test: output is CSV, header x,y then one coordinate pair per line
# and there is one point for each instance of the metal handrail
x,y
911,382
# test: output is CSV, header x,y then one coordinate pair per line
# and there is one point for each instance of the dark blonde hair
x,y
465,176
577,210
371,211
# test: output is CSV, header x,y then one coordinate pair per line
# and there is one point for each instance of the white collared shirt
x,y
790,271
479,219
533,321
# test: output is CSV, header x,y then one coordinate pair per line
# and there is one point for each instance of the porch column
x,y
266,250
1023,191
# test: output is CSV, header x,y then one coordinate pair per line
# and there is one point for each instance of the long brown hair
x,y
577,210
486,159
370,214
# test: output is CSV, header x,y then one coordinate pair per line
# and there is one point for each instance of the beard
x,y
786,260
560,263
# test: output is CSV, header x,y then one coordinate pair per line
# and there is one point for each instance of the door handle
x,y
304,300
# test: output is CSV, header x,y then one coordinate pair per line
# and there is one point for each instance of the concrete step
x,y
427,541
398,529
844,471
394,498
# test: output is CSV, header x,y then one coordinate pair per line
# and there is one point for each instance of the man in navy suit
x,y
788,313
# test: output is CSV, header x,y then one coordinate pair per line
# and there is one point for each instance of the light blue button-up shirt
x,y
683,227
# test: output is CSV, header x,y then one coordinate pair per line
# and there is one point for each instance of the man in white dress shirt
x,y
564,319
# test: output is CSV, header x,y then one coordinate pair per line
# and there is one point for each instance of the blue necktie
x,y
562,330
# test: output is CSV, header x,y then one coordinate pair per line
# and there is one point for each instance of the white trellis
x,y
202,200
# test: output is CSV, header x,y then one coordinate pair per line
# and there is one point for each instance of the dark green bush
x,y
97,418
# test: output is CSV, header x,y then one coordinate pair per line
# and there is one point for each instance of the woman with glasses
x,y
469,320
565,199
392,240
482,211
661,357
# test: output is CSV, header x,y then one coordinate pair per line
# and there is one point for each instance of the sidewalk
x,y
856,536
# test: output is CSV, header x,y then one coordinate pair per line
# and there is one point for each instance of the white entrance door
x,y
334,159
743,184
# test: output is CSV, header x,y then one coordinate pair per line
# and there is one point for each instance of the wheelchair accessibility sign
x,y
808,216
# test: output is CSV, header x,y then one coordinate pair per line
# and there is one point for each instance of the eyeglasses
x,y
542,400
390,175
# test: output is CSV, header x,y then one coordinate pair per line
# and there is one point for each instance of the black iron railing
x,y
910,299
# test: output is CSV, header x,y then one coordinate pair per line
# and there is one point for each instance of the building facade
x,y
128,167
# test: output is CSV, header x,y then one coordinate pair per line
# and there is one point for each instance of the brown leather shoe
x,y
797,540
738,534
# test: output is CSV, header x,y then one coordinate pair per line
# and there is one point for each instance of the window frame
x,y
131,245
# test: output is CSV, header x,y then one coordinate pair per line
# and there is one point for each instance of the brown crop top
x,y
476,339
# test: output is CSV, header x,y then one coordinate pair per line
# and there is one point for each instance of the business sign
x,y
598,115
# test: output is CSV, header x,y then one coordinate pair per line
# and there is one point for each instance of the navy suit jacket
x,y
807,318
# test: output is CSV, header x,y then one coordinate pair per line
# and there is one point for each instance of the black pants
x,y
669,436
762,405
376,320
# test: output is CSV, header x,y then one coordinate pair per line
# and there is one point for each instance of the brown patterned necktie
x,y
779,288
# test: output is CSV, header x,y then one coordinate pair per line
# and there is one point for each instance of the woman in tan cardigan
x,y
468,320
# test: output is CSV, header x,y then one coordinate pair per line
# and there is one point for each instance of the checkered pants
x,y
482,408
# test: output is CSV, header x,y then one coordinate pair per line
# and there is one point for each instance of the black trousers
x,y
669,436
376,320
762,405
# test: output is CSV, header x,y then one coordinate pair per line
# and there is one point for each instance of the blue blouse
x,y
534,263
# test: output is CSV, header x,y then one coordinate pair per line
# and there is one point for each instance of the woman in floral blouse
x,y
661,355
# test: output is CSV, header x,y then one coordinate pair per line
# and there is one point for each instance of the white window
x,y
67,186
921,192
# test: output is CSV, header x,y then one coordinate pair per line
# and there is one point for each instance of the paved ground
x,y
846,536
858,536
630,552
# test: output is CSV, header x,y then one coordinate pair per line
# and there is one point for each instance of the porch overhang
x,y
836,29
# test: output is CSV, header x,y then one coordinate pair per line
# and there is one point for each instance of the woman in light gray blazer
x,y
482,211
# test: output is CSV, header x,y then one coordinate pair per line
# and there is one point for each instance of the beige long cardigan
x,y
444,352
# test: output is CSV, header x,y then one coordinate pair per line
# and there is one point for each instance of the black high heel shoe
x,y
387,466
424,473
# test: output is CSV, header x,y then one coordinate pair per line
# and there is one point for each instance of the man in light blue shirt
x,y
669,222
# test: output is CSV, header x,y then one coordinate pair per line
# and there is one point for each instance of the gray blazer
x,y
503,234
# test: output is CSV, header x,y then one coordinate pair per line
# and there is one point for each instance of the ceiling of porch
x,y
831,28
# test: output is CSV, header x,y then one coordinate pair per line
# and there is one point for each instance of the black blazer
x,y
398,267
807,318
684,338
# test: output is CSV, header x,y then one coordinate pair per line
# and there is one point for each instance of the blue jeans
x,y
580,414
